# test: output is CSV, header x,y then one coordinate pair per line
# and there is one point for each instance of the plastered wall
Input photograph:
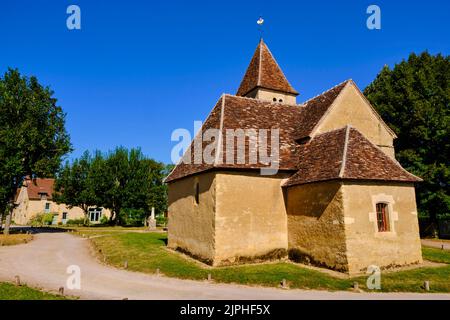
x,y
367,246
251,219
316,224
351,108
191,226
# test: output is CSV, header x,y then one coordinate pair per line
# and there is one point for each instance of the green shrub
x,y
77,222
132,217
161,220
104,220
42,219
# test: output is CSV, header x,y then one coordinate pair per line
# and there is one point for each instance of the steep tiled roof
x,y
315,108
264,72
38,186
317,160
345,154
245,113
186,165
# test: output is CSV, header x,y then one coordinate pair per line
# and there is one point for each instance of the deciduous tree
x,y
73,184
33,138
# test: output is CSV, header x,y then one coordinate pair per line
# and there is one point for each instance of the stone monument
x,y
151,222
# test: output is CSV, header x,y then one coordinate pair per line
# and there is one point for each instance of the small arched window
x,y
281,100
274,99
382,217
197,193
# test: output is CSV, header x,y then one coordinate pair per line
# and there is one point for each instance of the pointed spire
x,y
264,72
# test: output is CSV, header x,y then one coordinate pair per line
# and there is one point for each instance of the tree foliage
x,y
73,185
414,99
33,138
124,181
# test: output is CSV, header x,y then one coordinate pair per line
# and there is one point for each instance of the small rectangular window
x,y
64,216
47,207
382,217
197,193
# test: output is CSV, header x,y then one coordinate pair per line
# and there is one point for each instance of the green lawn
x,y
10,291
146,252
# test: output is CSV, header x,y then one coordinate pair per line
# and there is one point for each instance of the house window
x,y
197,193
47,207
64,216
382,217
95,214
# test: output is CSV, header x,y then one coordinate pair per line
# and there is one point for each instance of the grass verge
x,y
146,252
10,291
13,239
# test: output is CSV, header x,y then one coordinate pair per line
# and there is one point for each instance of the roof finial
x,y
260,23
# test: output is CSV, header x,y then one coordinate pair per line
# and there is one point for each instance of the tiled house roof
x,y
264,72
320,159
233,112
346,154
316,160
314,109
38,186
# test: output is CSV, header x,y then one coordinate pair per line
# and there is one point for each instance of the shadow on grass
x,y
35,230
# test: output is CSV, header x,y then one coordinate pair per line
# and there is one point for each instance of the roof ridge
x,y
219,148
258,82
192,140
328,132
393,160
264,101
344,154
326,91
276,62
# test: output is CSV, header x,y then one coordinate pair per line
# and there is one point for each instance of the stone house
x,y
35,197
339,199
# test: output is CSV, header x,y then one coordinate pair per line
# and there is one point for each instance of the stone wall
x,y
316,224
365,245
191,225
251,220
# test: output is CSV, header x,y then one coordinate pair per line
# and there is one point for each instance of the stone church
x,y
339,199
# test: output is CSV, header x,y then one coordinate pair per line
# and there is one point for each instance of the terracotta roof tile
x,y
315,108
293,121
364,160
346,154
246,113
38,186
264,72
317,160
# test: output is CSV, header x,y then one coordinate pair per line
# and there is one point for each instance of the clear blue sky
x,y
137,70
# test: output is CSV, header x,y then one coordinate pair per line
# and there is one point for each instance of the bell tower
x,y
264,79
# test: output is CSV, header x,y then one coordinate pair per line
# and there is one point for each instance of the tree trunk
x,y
7,222
1,221
86,214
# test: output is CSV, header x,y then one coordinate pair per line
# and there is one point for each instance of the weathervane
x,y
260,23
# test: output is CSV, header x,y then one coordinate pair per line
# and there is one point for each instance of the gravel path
x,y
44,261
436,244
